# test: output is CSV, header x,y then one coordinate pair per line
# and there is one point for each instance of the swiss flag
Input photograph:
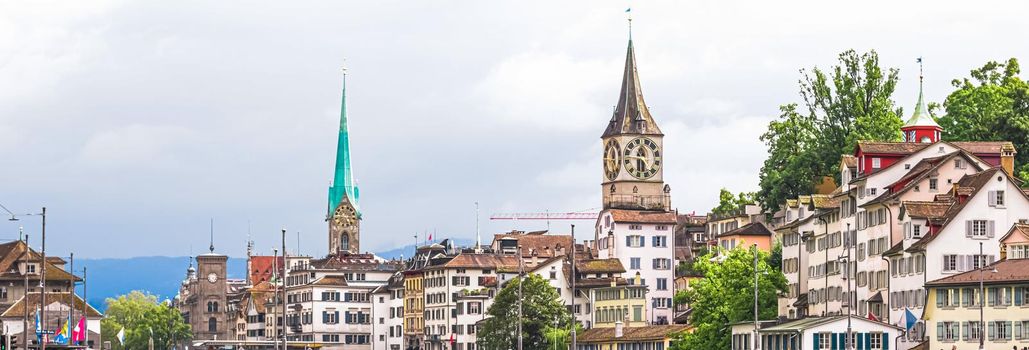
x,y
452,338
872,316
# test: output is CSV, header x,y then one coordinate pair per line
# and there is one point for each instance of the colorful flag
x,y
872,317
121,336
430,237
909,319
39,328
62,337
79,333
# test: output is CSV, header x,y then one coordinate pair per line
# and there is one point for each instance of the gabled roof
x,y
642,216
896,148
479,261
849,161
969,185
1019,228
11,254
612,265
751,229
925,210
541,245
810,322
921,170
1007,271
650,332
981,147
18,308
330,280
631,115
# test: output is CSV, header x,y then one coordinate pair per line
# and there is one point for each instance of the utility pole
x,y
284,344
757,337
850,276
42,285
25,321
574,293
521,279
982,298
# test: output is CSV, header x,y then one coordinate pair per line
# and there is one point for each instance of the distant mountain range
x,y
162,275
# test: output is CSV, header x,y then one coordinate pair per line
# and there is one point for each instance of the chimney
x,y
1007,158
618,329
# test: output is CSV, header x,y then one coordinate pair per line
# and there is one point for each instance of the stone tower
x,y
633,150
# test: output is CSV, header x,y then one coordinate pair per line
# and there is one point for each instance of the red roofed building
x,y
260,268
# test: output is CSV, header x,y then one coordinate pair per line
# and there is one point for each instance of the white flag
x,y
121,336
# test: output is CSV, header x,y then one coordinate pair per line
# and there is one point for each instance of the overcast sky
x,y
137,122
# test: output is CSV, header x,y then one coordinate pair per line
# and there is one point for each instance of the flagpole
x,y
85,304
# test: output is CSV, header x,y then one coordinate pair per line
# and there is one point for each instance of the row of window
x,y
961,263
969,297
656,263
907,299
617,294
904,266
971,331
638,241
651,345
614,314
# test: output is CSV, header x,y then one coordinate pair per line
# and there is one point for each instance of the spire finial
x,y
212,236
628,12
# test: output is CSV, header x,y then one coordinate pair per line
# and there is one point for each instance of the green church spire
x,y
343,184
921,115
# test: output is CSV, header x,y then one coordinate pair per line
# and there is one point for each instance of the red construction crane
x,y
545,216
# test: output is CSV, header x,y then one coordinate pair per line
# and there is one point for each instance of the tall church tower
x,y
343,214
633,153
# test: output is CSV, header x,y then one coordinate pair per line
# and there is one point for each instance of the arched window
x,y
212,325
344,242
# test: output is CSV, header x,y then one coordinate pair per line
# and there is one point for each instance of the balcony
x,y
640,202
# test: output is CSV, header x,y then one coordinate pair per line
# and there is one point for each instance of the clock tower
x,y
343,216
633,159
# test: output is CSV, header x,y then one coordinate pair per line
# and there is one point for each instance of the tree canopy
x,y
541,307
714,309
728,202
140,314
992,105
850,102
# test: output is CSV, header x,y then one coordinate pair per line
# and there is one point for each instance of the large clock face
x,y
611,162
642,158
344,216
212,277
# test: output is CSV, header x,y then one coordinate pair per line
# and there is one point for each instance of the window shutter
x,y
1018,296
833,344
968,228
1018,331
939,299
993,198
886,341
337,316
993,331
989,229
939,327
964,330
815,343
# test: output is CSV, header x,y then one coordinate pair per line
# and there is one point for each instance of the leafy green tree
x,y
727,202
142,315
775,258
992,105
850,102
714,309
541,306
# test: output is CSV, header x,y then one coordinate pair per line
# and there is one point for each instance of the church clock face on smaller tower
x,y
612,164
642,158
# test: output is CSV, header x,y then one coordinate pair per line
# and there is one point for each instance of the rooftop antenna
x,y
212,236
478,239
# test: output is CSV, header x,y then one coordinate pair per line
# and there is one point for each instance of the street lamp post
x,y
850,297
757,337
982,299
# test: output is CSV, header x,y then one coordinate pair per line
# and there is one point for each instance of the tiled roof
x,y
11,253
902,148
980,147
1017,227
652,332
355,262
824,201
330,281
926,210
1007,271
849,160
968,185
642,216
751,229
600,266
540,245
18,308
475,261
262,266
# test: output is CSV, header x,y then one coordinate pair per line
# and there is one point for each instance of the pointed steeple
x,y
921,127
343,184
921,116
631,115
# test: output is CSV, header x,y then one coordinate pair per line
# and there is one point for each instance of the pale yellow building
x,y
952,313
